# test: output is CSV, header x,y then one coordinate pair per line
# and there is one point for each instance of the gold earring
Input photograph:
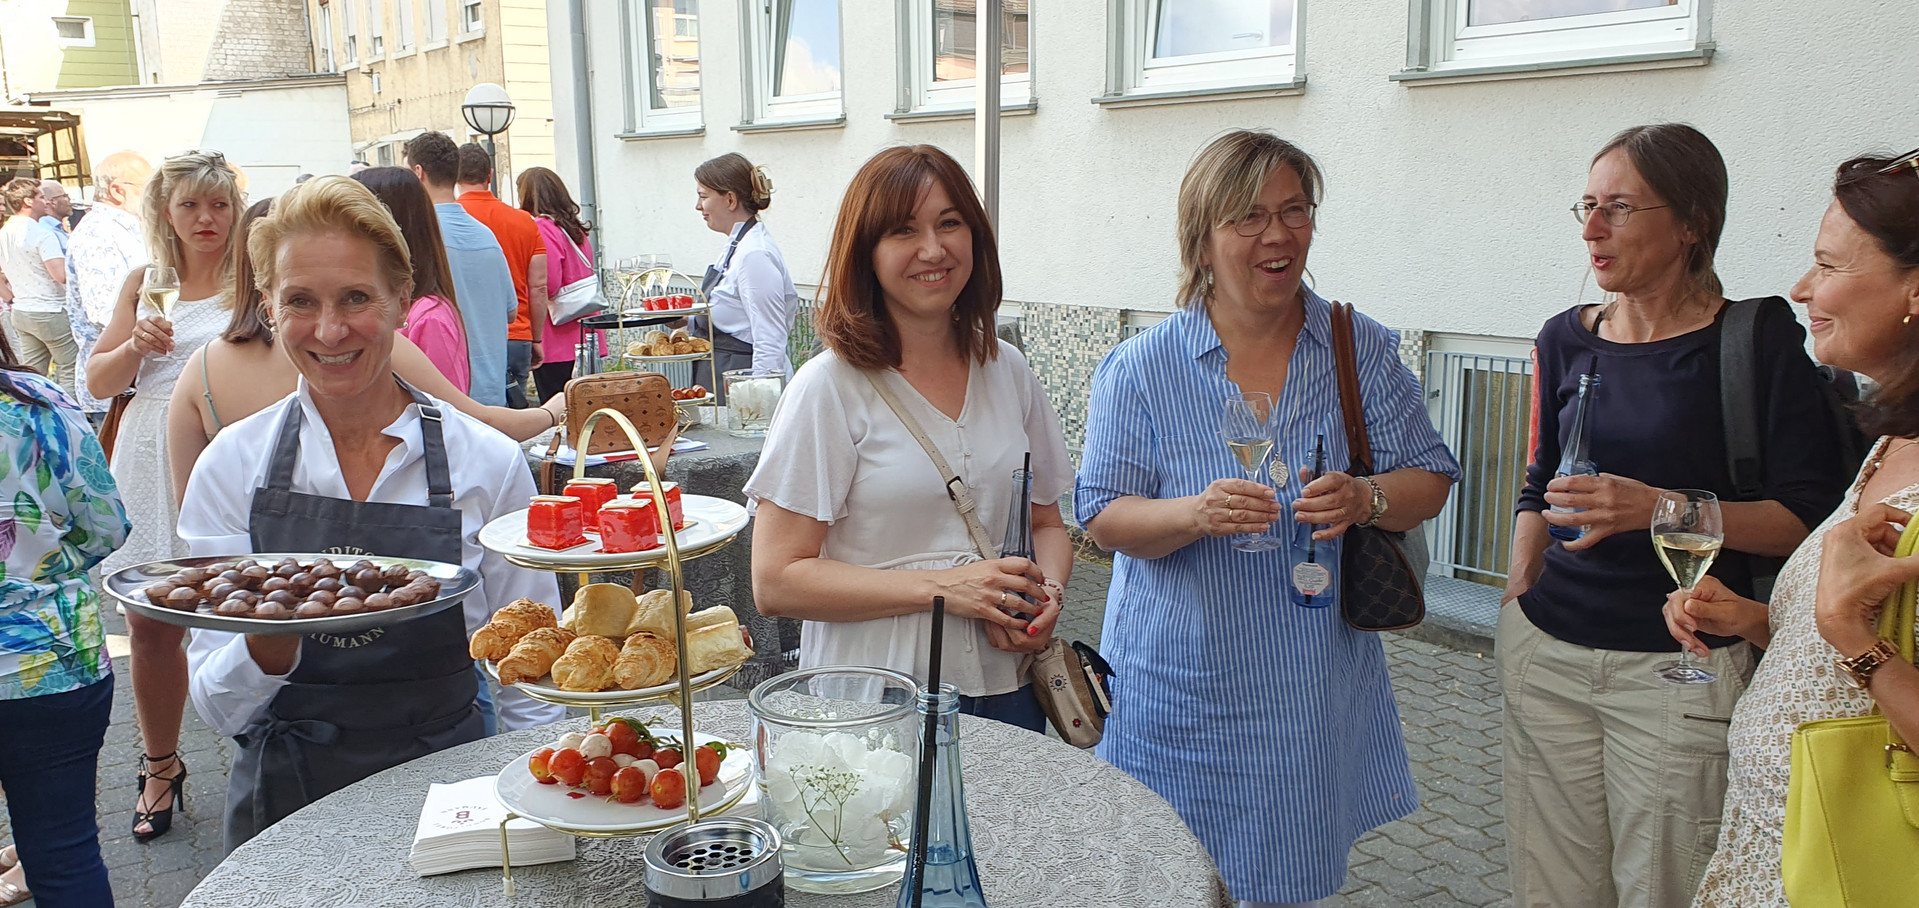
x,y
1906,321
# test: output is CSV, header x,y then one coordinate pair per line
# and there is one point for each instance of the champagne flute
x,y
1686,534
1246,425
160,290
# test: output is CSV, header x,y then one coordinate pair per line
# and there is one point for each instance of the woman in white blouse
x,y
855,531
354,461
752,295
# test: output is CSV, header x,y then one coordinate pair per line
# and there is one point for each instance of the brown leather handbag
x,y
110,427
1380,589
645,398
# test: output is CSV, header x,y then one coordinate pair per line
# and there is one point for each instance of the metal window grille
x,y
1482,406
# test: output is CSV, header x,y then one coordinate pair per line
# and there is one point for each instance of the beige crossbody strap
x,y
955,487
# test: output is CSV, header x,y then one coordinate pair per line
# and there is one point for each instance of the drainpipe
x,y
583,115
986,78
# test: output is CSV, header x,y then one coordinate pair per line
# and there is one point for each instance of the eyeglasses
x,y
1909,159
1617,213
1254,222
217,159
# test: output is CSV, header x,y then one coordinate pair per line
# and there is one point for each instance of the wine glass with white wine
x,y
160,290
1246,424
1686,533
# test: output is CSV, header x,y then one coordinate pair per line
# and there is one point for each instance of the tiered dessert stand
x,y
630,313
712,523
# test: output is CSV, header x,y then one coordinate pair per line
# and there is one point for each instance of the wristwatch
x,y
1380,505
1859,668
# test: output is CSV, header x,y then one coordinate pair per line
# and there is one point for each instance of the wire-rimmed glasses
x,y
1254,222
1617,213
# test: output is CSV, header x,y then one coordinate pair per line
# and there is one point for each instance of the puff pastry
x,y
507,626
715,646
587,664
534,655
603,609
645,660
655,615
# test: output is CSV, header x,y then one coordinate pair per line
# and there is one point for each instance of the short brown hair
x,y
1686,171
248,320
18,192
1886,206
1223,184
436,156
732,172
476,166
852,319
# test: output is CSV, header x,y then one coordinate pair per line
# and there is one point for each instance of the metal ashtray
x,y
718,862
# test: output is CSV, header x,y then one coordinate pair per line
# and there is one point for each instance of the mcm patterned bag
x,y
1380,588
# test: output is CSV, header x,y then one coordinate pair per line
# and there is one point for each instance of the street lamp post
x,y
489,111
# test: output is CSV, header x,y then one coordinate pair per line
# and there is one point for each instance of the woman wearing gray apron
x,y
355,462
752,295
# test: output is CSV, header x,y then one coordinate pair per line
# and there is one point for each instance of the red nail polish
x,y
1032,630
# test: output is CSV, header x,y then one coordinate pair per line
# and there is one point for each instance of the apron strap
x,y
269,732
286,449
715,272
439,480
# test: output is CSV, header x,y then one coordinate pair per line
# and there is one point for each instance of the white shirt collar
x,y
317,440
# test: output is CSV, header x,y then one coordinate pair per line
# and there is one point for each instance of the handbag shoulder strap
x,y
955,487
1359,444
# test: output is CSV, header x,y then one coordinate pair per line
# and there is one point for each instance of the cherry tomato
x,y
625,739
629,785
599,775
540,764
568,765
645,751
668,757
707,760
669,790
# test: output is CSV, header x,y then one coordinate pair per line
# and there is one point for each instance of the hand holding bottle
x,y
1604,503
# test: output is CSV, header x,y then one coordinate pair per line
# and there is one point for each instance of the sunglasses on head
x,y
1909,159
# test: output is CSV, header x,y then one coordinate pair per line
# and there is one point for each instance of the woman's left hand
x,y
1856,574
1335,500
1038,633
1613,504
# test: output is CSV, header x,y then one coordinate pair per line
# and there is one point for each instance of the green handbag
x,y
1852,803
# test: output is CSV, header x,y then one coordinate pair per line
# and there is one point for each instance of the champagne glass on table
x,y
1687,532
1246,425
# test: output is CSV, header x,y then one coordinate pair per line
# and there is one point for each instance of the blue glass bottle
x,y
1312,567
950,878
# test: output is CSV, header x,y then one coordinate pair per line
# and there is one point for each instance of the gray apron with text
x,y
363,703
729,352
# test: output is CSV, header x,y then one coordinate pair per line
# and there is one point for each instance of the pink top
x,y
563,267
436,329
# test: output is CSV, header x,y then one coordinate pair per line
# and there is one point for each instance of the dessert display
x,y
555,522
660,343
607,640
627,525
669,303
291,589
592,493
624,762
675,502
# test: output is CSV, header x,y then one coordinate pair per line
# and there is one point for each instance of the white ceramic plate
x,y
553,805
546,689
718,519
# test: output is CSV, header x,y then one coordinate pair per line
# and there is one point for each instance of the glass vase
x,y
836,749
950,878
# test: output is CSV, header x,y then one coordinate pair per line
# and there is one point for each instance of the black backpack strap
x,y
1738,395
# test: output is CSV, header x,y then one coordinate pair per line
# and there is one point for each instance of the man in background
x,y
525,256
36,268
482,282
59,209
106,247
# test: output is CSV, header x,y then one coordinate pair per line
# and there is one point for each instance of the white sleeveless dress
x,y
140,464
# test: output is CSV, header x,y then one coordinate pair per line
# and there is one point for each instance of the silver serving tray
x,y
129,586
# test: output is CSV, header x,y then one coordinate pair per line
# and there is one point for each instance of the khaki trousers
x,y
1614,778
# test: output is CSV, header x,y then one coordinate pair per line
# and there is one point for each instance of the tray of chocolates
x,y
284,593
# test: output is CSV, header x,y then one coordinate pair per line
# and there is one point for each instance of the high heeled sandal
x,y
9,858
10,894
158,821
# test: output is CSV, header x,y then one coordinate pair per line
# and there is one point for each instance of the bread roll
x,y
644,661
587,664
507,626
534,655
604,610
655,615
715,646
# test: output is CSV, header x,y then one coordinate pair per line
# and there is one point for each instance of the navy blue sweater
x,y
1656,418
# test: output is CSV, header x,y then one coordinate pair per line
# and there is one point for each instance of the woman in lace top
x,y
1861,296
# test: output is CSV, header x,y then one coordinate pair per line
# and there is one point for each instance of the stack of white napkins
x,y
460,830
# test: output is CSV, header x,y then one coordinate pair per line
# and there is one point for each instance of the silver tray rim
x,y
127,585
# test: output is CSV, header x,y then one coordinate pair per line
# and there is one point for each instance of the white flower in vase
x,y
842,792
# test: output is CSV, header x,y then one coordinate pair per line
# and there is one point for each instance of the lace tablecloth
x,y
1052,826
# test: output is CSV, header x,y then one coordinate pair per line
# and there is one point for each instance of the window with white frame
x,y
404,22
74,31
942,61
662,39
350,29
375,28
435,21
1491,33
795,49
1183,45
325,36
472,16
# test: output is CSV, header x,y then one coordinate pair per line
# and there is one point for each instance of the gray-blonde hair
x,y
1223,184
193,172
330,204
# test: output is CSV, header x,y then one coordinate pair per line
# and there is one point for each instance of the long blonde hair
x,y
1223,184
193,172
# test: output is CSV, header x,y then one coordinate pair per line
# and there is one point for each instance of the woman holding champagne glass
x,y
1214,663
166,312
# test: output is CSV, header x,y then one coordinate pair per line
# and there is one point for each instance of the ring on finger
x,y
1002,598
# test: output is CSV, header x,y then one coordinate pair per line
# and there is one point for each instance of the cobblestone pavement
x,y
1450,853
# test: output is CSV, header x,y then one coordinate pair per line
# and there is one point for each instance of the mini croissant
x,y
534,655
507,626
587,664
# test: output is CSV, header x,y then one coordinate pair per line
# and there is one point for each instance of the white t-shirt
x,y
26,246
838,454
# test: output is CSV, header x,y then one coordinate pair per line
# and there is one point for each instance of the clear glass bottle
x,y
950,878
1312,566
1576,458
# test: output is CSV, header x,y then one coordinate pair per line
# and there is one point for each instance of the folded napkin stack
x,y
460,830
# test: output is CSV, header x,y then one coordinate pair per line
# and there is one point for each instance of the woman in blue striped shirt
x,y
1269,727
